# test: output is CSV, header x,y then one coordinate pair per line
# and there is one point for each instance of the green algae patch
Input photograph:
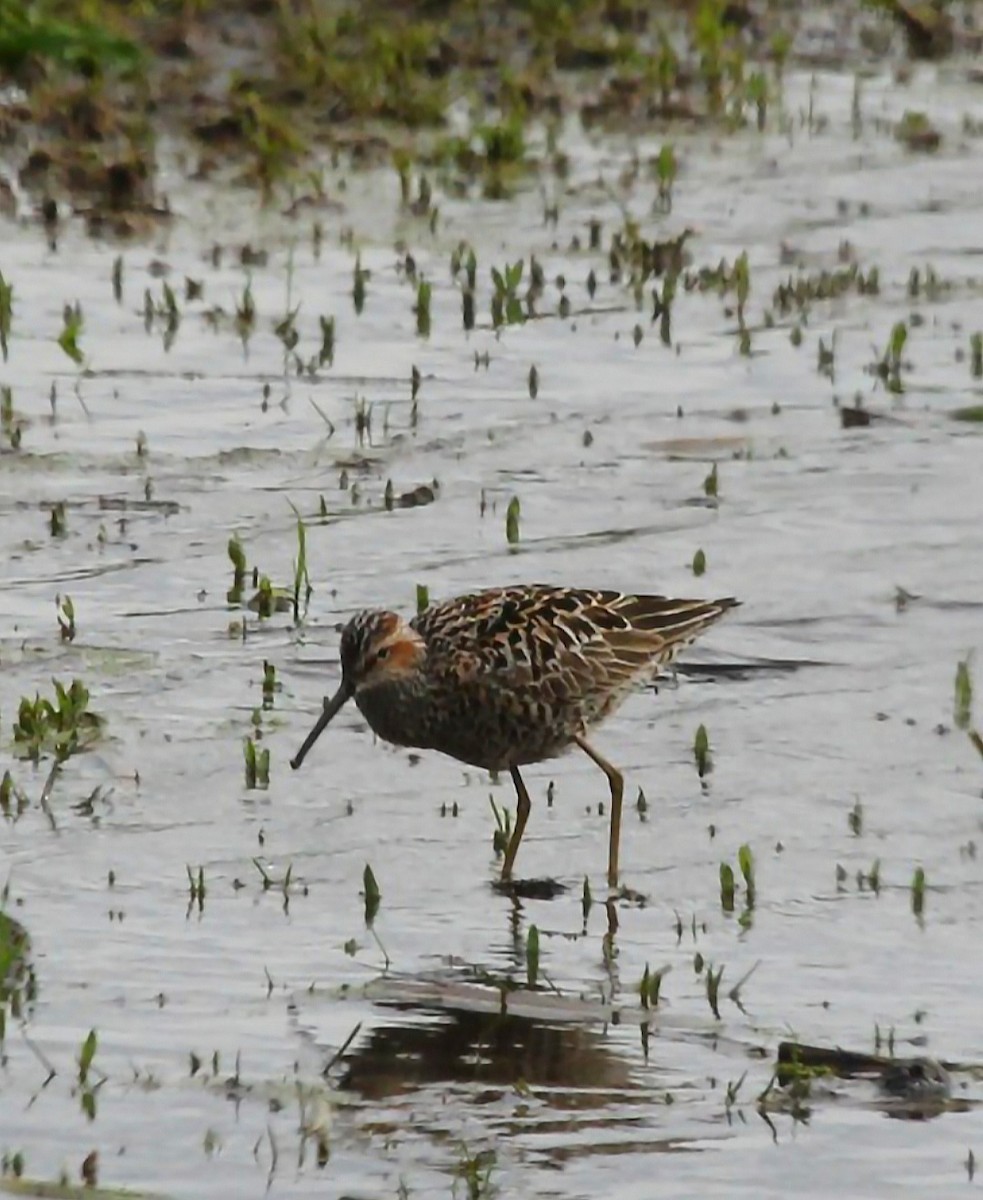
x,y
42,1189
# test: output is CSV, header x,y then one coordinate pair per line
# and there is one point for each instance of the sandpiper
x,y
511,676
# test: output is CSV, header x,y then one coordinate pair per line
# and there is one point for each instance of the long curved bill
x,y
331,708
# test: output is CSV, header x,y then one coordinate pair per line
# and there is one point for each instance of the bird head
x,y
377,647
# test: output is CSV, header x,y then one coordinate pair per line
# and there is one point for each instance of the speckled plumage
x,y
510,676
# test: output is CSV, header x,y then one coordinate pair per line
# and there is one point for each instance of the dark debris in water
x,y
416,497
911,1088
856,417
530,889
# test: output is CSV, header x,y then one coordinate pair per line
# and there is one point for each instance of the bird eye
x,y
382,654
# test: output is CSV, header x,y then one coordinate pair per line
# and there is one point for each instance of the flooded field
x,y
253,1035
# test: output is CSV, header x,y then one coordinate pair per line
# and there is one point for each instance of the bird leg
x,y
617,782
521,817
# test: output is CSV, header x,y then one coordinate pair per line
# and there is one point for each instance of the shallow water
x,y
815,529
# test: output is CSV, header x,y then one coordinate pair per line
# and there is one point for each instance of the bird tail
x,y
670,625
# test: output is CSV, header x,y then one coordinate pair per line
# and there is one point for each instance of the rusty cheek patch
x,y
404,654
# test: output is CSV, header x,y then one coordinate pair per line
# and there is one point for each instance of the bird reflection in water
x,y
497,1049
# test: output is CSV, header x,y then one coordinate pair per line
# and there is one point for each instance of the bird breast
x,y
395,710
474,721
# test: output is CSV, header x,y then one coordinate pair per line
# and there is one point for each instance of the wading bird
x,y
511,676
